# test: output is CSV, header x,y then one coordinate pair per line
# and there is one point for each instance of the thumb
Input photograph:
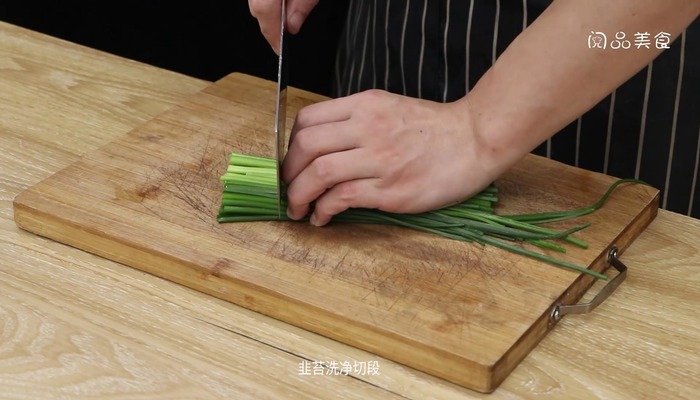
x,y
297,12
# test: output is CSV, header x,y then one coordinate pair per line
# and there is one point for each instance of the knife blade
x,y
281,108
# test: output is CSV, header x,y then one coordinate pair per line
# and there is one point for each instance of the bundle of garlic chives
x,y
250,194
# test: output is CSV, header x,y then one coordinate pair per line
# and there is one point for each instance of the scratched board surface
x,y
460,311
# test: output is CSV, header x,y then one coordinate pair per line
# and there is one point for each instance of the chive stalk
x,y
250,194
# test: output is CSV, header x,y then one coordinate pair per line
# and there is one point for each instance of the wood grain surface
x,y
73,325
460,311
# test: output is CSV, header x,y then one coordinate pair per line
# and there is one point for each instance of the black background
x,y
206,39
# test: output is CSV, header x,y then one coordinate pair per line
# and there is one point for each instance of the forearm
x,y
549,76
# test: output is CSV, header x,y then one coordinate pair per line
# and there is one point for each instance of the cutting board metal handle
x,y
559,310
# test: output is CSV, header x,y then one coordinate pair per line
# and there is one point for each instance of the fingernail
x,y
290,214
313,220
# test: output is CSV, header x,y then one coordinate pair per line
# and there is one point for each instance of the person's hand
x,y
380,150
267,12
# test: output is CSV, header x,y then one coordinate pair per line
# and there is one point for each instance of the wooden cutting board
x,y
460,311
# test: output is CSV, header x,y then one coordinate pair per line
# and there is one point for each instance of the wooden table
x,y
73,325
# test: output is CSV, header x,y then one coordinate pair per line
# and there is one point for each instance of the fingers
x,y
370,150
315,142
325,112
323,173
360,193
268,13
322,153
318,130
325,152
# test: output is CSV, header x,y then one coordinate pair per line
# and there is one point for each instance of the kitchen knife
x,y
281,109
